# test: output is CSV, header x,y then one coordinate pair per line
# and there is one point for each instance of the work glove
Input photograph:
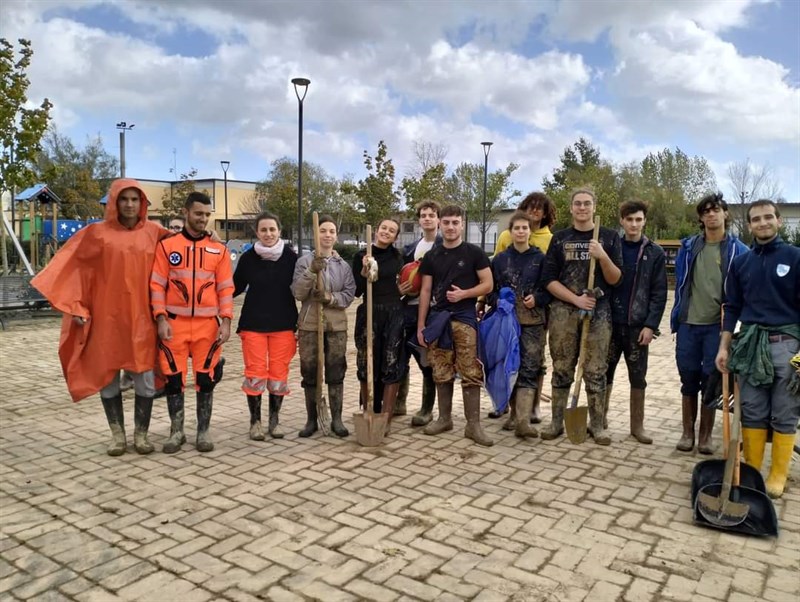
x,y
323,297
317,265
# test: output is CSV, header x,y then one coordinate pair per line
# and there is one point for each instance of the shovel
x,y
322,406
722,511
575,417
370,427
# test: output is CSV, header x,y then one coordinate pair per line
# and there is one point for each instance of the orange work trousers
x,y
266,361
195,338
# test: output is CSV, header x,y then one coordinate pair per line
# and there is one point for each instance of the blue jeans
x,y
695,351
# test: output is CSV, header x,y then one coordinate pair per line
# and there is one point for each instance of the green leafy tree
x,y
376,195
80,177
431,185
21,128
173,199
278,193
465,188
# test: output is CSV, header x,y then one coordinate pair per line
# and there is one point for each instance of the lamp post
x,y
225,165
300,85
486,148
122,126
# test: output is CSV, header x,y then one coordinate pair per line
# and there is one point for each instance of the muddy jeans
x,y
565,339
624,341
335,347
531,355
462,358
388,344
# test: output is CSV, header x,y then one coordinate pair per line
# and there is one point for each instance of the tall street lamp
x,y
300,85
122,126
225,165
486,148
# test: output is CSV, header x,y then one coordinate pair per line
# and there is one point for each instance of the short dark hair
x,y
325,219
266,215
633,206
539,200
452,211
196,197
433,205
711,201
520,216
763,203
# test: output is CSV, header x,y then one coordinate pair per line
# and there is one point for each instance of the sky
x,y
206,81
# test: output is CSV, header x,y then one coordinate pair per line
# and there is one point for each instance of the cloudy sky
x,y
211,80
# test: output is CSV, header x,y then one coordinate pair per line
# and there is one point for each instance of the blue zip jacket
x,y
684,266
764,287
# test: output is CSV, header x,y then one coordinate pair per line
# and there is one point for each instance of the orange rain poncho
x,y
102,274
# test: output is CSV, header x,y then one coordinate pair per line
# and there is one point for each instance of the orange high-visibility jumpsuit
x,y
191,284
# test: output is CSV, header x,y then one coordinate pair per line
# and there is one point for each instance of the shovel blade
x,y
370,428
721,512
575,424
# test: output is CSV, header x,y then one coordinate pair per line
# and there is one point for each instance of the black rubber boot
x,y
472,412
116,422
176,413
275,403
596,402
402,397
311,412
256,430
205,403
425,414
335,395
142,410
444,423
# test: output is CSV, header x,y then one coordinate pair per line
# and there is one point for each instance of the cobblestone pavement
x,y
420,518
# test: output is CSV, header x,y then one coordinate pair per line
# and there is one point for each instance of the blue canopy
x,y
38,192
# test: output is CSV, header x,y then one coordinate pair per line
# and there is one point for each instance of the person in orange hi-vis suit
x,y
98,280
191,292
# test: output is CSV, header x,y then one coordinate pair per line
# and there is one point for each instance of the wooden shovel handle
x,y
370,393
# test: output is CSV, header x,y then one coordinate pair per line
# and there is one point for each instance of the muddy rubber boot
x,y
637,417
402,397
176,413
606,403
704,443
116,422
425,414
688,417
256,430
472,412
596,401
389,401
274,428
524,405
511,422
536,414
444,423
755,440
558,404
311,412
335,401
142,410
205,404
782,448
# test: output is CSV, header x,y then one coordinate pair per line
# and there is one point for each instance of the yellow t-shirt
x,y
539,238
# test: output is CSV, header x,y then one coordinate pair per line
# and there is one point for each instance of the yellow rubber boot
x,y
782,447
754,442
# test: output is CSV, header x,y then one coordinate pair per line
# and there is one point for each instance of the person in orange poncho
x,y
99,281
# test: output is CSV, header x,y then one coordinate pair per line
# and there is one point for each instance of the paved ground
x,y
420,518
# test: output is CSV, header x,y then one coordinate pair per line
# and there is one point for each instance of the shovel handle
x,y
370,368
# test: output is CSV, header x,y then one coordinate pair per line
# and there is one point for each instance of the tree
x,y
277,193
376,195
465,188
21,128
431,185
80,177
172,200
748,183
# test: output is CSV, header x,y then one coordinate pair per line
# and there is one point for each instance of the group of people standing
x,y
115,278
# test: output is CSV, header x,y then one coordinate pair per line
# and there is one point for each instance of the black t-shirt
x,y
384,290
457,266
567,260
